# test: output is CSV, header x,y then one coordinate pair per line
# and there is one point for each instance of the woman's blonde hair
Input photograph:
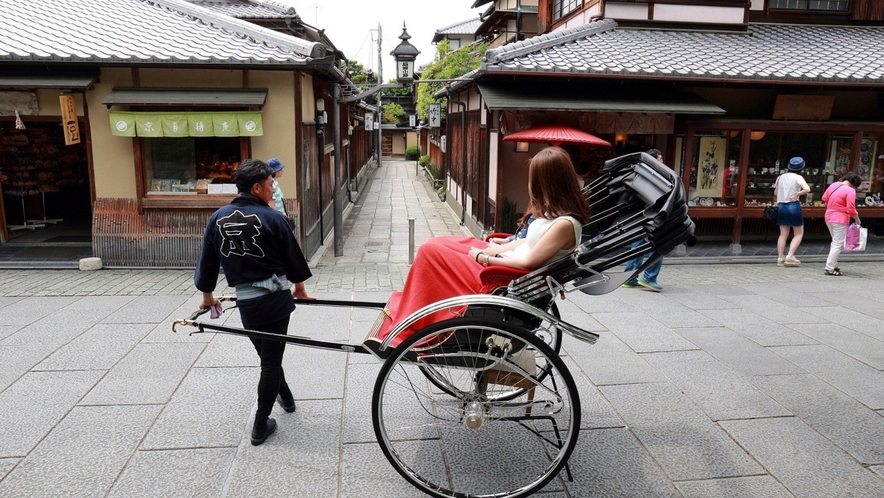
x,y
553,188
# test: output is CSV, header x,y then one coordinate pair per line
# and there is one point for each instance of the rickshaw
x,y
481,404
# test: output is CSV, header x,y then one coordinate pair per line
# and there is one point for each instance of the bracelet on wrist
x,y
478,254
486,260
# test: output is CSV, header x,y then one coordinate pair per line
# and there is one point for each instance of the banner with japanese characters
x,y
186,124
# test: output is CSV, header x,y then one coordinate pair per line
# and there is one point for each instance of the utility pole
x,y
380,95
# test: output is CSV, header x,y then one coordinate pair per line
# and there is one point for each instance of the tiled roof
x,y
805,53
248,9
467,27
164,32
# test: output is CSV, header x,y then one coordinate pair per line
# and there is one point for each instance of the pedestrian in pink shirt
x,y
840,199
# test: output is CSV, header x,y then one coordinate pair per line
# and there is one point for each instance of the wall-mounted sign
x,y
412,120
442,143
369,121
805,107
69,119
435,115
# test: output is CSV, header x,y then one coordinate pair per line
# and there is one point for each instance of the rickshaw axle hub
x,y
474,415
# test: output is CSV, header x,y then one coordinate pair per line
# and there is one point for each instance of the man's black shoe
x,y
259,435
288,407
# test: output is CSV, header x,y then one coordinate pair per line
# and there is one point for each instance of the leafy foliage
x,y
392,113
412,152
402,91
359,76
449,65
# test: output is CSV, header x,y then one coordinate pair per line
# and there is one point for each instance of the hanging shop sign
x,y
186,124
69,119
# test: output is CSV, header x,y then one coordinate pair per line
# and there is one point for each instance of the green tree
x,y
392,113
359,76
448,65
401,91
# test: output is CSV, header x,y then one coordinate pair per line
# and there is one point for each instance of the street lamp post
x,y
404,54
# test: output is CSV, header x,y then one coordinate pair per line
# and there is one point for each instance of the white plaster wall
x,y
584,17
615,10
698,13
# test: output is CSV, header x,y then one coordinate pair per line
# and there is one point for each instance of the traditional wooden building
x,y
729,90
168,97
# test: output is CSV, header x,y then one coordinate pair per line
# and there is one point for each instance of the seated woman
x,y
449,266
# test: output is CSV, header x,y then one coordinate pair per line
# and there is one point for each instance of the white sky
x,y
347,23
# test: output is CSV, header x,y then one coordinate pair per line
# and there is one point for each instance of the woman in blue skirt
x,y
788,188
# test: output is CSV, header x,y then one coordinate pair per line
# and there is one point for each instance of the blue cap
x,y
796,164
275,165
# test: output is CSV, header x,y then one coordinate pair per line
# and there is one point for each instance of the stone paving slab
x,y
208,410
301,459
863,347
840,418
18,360
642,332
739,353
764,485
717,390
7,330
28,311
756,328
99,348
194,473
803,460
6,465
55,330
32,406
370,475
149,374
71,461
611,462
858,380
610,361
680,438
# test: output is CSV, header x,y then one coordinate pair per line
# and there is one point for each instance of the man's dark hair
x,y
655,153
250,172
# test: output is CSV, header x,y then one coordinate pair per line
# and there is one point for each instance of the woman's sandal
x,y
835,273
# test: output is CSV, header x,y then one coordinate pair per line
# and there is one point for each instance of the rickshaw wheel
x,y
477,442
552,337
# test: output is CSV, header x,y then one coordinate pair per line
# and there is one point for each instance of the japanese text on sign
x,y
69,119
435,115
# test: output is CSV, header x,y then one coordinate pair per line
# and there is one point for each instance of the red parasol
x,y
556,135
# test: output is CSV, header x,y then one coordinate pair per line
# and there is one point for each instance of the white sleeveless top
x,y
538,229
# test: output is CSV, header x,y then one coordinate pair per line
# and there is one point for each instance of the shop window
x,y
561,8
828,5
714,179
769,158
190,164
871,170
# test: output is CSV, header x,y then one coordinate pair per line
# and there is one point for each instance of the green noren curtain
x,y
186,124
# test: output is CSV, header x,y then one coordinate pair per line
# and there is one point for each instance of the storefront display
x,y
39,170
190,166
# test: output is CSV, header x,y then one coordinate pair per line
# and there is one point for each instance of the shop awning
x,y
586,98
48,80
186,124
189,97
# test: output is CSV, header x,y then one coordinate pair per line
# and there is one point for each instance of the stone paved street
x,y
738,380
